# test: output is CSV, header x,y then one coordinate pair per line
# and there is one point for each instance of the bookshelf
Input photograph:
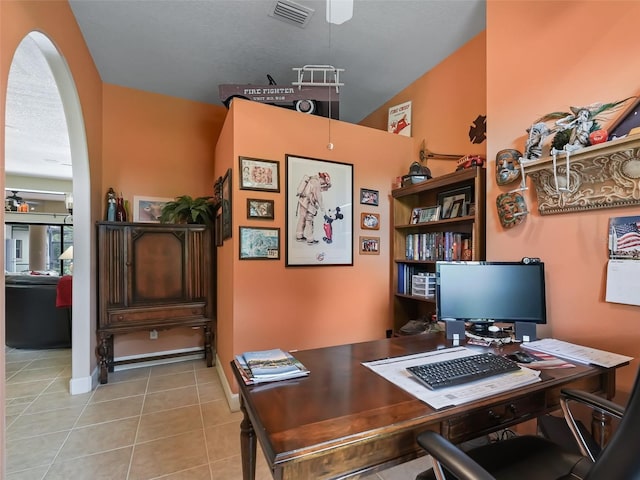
x,y
418,245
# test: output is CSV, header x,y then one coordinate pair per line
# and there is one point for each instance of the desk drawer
x,y
479,422
155,315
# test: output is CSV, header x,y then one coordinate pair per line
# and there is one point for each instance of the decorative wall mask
x,y
512,209
507,166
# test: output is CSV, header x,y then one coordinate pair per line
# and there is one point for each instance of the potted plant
x,y
185,209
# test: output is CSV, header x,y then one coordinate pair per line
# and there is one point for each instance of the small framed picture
x,y
448,198
259,243
370,221
415,216
369,197
258,174
369,245
258,208
148,209
457,208
429,214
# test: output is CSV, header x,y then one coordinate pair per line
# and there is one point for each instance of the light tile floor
x,y
167,422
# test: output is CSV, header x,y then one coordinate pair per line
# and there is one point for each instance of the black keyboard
x,y
462,370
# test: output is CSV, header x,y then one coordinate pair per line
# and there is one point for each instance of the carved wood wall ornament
x,y
601,176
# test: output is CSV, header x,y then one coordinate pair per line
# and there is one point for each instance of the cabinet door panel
x,y
158,273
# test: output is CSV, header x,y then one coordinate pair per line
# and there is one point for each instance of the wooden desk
x,y
344,420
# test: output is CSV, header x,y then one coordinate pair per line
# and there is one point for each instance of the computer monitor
x,y
488,292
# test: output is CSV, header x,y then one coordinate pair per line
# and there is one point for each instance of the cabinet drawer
x,y
495,417
154,315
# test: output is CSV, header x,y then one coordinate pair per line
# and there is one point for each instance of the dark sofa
x,y
32,320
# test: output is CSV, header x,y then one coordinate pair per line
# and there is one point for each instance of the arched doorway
x,y
83,290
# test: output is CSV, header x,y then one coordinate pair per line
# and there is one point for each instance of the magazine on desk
x,y
269,366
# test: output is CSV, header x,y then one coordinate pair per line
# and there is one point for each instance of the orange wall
x,y
262,303
445,102
157,146
54,19
544,57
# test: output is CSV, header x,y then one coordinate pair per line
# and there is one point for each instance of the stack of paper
x,y
268,366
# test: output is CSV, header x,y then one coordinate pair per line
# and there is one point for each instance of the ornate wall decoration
x,y
601,176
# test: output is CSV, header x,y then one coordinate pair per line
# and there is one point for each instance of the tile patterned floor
x,y
168,422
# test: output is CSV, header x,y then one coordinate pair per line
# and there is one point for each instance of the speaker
x,y
525,332
454,329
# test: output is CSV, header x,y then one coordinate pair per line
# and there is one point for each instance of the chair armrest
x,y
594,401
455,460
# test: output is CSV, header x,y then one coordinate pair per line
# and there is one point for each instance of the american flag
x,y
627,236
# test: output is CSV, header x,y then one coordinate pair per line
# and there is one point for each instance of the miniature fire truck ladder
x,y
330,76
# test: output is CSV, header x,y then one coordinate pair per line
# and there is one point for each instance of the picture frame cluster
x,y
368,245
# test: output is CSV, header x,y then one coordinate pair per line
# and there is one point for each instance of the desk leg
x,y
247,445
600,428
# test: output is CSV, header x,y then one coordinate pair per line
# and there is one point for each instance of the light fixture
x,y
339,11
68,202
67,254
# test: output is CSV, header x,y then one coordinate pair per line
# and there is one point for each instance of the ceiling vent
x,y
291,12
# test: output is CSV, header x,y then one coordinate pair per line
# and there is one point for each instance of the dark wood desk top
x,y
343,402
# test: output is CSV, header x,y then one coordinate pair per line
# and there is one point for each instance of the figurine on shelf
x,y
536,135
111,205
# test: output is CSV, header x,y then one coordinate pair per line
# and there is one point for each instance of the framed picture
x,y
218,230
415,216
369,245
226,205
429,214
257,174
370,221
629,119
259,243
447,199
148,209
369,197
317,237
257,208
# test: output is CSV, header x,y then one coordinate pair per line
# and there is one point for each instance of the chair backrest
x,y
621,459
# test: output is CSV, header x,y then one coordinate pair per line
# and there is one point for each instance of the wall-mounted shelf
x,y
600,176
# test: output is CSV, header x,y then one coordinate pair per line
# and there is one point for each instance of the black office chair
x,y
530,457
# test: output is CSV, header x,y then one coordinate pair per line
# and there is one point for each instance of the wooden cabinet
x,y
418,243
152,277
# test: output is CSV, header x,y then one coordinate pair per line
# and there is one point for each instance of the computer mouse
x,y
493,328
522,357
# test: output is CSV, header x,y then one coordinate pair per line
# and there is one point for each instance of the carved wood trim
x,y
601,176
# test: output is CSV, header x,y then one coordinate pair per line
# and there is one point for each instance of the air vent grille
x,y
291,12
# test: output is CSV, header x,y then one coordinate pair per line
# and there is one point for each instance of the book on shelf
x,y
269,366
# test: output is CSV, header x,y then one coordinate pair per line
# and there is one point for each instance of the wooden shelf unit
x,y
410,307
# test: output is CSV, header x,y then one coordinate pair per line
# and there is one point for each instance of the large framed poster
x,y
319,212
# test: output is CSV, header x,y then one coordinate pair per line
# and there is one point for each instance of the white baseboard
x,y
233,399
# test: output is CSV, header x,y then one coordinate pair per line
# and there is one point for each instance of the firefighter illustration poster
x,y
400,119
319,223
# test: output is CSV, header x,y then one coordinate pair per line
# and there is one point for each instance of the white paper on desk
x,y
623,282
395,370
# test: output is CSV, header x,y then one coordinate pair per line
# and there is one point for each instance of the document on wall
x,y
623,269
395,370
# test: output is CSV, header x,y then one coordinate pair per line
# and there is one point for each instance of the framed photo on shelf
x,y
259,243
369,245
429,214
369,197
447,199
226,204
148,209
258,174
415,216
258,208
314,237
370,221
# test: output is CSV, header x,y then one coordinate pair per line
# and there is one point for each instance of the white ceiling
x,y
186,48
